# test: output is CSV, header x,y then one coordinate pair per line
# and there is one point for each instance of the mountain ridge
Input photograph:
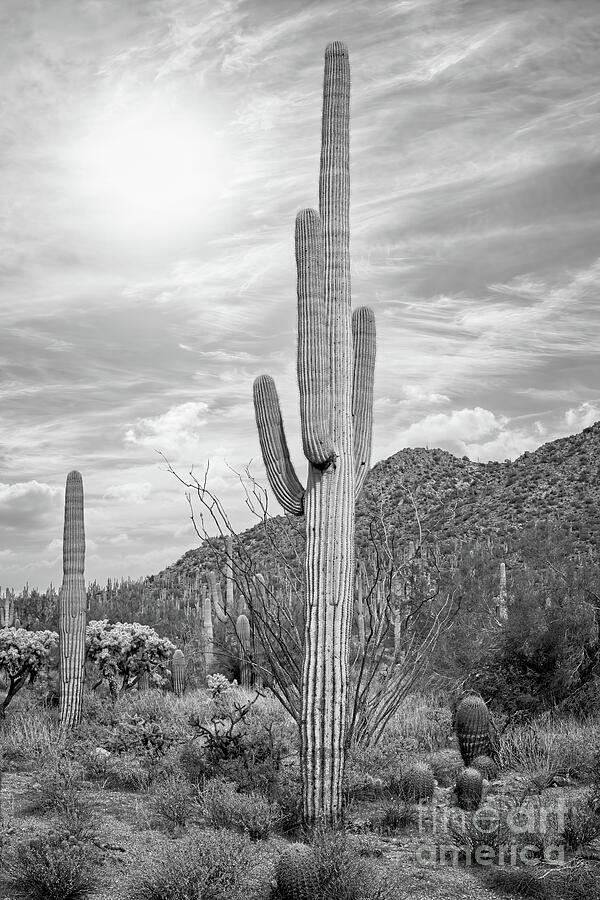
x,y
433,496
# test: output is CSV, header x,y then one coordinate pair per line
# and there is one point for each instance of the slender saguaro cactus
x,y
72,606
244,637
336,357
178,672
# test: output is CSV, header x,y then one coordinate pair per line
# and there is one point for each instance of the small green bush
x,y
251,814
582,824
58,787
396,816
173,801
52,868
212,866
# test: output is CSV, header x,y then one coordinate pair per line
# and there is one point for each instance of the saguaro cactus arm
x,y
280,471
313,371
363,375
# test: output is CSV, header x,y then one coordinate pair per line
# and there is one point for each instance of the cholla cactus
x,y
486,765
242,628
473,723
178,672
296,874
417,782
469,788
72,607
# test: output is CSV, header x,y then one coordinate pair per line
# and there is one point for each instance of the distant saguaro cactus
x,y
8,616
242,628
336,358
473,722
178,672
207,635
72,606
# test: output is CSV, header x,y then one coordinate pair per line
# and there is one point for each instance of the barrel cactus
x,y
486,765
473,722
417,782
178,672
296,873
72,607
469,788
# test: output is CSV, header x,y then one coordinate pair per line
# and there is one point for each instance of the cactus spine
x,y
473,723
336,358
178,673
72,607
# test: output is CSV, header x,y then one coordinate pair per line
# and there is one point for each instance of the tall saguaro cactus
x,y
72,606
336,357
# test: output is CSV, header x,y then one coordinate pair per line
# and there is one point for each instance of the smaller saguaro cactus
x,y
143,682
7,610
217,599
72,607
486,765
469,788
417,783
207,635
296,873
502,596
178,672
473,722
242,628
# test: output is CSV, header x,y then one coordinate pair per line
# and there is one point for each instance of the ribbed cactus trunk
x,y
336,354
72,607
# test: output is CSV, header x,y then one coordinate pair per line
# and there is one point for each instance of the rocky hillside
x,y
457,503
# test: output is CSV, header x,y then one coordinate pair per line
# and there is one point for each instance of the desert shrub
x,y
577,881
58,787
287,794
52,868
173,801
396,816
243,741
421,724
128,772
150,740
32,735
548,747
251,814
479,836
212,866
581,823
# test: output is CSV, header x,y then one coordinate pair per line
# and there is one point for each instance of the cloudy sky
x,y
153,156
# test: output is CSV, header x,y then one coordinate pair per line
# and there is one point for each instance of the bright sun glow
x,y
153,169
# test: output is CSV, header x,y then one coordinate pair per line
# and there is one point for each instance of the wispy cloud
x,y
137,321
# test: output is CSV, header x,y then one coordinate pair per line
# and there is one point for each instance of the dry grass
x,y
550,747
